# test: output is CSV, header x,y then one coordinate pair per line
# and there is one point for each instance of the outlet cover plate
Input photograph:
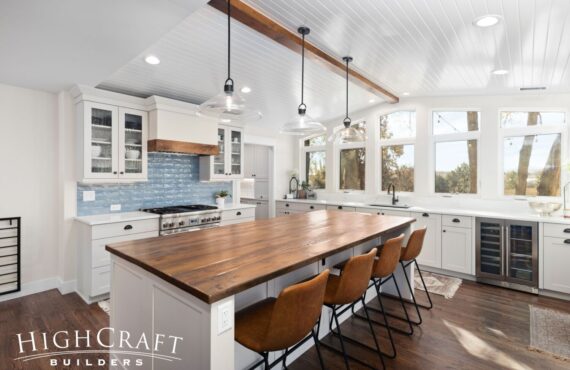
x,y
89,196
225,316
115,207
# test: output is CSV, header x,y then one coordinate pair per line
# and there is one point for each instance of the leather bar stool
x,y
382,272
408,257
342,293
283,323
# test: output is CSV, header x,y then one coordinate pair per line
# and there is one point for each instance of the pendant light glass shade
x,y
303,124
228,106
349,133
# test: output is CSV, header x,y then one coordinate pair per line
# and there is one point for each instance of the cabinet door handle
x,y
230,174
122,173
238,214
566,241
425,215
286,204
444,230
339,207
312,207
378,213
114,172
128,227
567,231
456,220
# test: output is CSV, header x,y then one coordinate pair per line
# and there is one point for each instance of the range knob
x,y
171,224
181,223
203,220
208,219
164,226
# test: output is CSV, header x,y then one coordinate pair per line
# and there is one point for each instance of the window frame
x,y
460,136
392,142
523,131
336,155
308,149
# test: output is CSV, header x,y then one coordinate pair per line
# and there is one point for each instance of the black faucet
x,y
394,197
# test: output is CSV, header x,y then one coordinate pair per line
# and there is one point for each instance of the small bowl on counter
x,y
544,207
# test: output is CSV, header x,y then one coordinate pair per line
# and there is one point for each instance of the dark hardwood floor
x,y
482,327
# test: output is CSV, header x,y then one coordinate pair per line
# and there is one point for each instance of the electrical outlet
x,y
89,196
115,207
225,317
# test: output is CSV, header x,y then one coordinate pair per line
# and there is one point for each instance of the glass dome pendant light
x,y
228,106
347,134
302,124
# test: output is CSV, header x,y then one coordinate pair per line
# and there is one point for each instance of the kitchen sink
x,y
403,206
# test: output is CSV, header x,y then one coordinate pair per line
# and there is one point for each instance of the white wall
x,y
28,185
489,150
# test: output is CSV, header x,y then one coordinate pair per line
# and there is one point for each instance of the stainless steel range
x,y
179,219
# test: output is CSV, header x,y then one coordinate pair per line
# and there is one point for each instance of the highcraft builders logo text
x,y
106,348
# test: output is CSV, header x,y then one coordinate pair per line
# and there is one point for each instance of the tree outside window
x,y
397,139
352,169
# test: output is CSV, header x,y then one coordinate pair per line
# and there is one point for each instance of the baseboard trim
x,y
66,287
33,287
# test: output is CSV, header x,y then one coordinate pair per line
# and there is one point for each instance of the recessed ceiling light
x,y
488,20
246,89
406,93
500,72
152,59
372,101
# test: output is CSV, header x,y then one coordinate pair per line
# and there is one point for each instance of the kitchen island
x,y
189,285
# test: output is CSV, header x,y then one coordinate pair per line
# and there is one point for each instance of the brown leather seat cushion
x,y
252,324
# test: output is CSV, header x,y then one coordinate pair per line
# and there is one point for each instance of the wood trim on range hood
x,y
172,146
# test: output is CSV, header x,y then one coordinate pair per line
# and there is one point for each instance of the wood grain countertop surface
x,y
216,263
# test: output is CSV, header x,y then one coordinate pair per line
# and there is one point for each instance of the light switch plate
x,y
115,207
225,317
89,196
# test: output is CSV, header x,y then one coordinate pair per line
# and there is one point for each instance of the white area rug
x,y
105,306
550,331
438,284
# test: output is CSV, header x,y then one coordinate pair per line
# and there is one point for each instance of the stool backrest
x,y
355,277
296,311
388,257
415,244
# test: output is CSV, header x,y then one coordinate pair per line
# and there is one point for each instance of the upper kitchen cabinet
x,y
113,143
256,164
228,163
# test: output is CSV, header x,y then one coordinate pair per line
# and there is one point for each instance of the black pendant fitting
x,y
304,30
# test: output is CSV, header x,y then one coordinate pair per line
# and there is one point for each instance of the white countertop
x,y
110,218
520,216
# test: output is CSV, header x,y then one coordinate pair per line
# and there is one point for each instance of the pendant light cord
x,y
229,84
303,72
347,61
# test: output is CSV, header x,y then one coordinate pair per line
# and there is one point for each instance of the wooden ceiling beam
x,y
266,26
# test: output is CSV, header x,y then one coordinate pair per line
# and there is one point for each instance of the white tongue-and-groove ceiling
x,y
424,47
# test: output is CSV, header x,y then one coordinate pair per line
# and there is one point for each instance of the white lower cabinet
x,y
237,216
431,250
94,271
456,249
556,257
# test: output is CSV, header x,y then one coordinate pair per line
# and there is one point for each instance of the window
x,y
315,161
352,171
532,152
456,136
352,162
397,139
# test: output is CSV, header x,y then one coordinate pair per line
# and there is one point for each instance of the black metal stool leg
x,y
341,340
387,325
407,318
373,334
317,347
266,361
425,288
285,358
412,293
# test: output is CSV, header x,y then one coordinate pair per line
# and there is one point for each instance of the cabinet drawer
x,y
307,207
100,257
100,280
456,221
237,214
557,230
8,260
286,212
236,221
341,208
124,228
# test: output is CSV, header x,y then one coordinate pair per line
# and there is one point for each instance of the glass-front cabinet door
x,y
236,154
219,169
490,249
132,144
522,257
101,137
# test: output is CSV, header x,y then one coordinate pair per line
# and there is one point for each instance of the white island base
x,y
196,335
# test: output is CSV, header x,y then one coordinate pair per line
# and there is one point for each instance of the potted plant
x,y
221,198
305,188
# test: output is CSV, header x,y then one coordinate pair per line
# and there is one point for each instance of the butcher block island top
x,y
216,263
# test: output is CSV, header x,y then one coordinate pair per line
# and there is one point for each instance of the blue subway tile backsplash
x,y
173,179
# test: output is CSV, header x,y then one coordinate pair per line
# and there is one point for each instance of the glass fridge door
x,y
522,258
490,249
